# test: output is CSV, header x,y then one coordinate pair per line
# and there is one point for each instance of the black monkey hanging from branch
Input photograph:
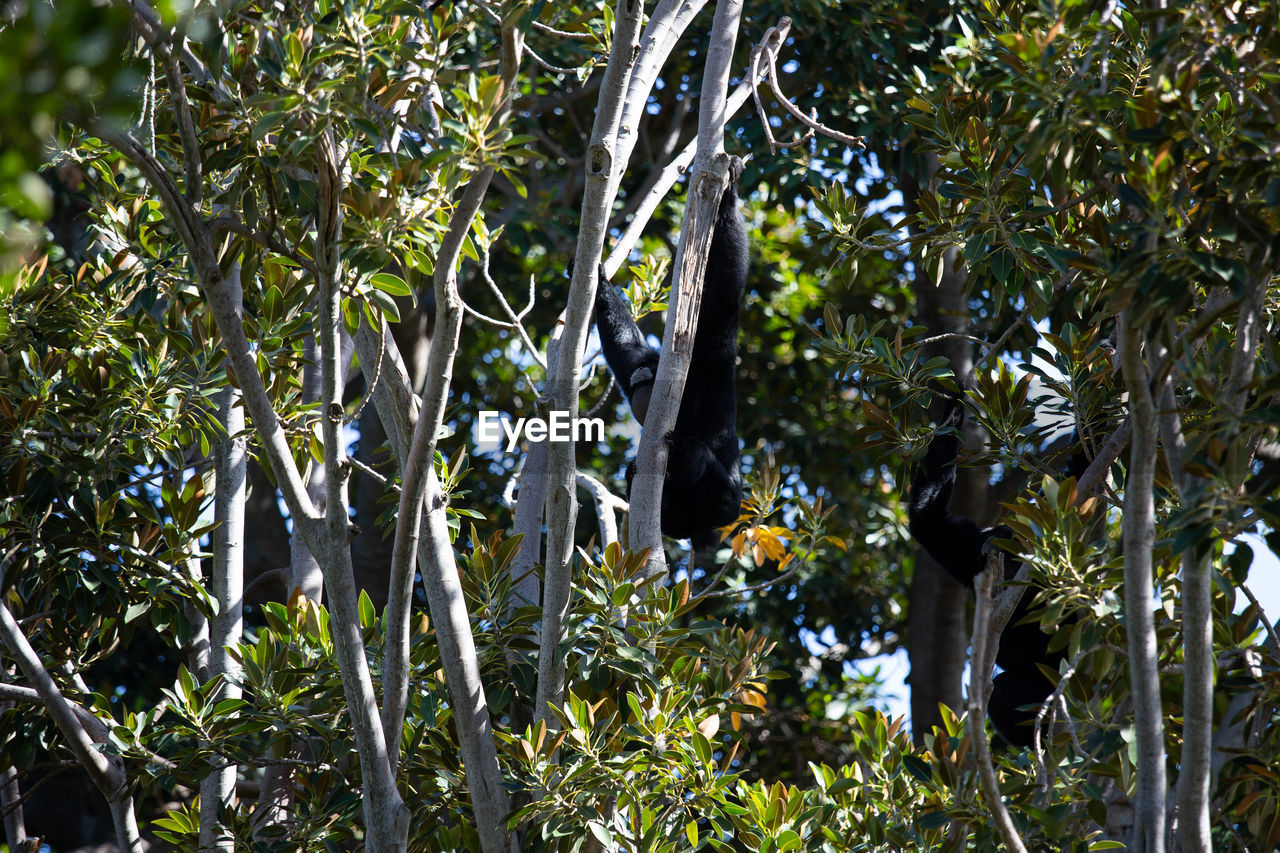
x,y
960,547
703,486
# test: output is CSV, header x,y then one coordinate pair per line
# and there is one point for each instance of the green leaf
x,y
264,125
918,768
293,45
601,832
272,304
389,283
702,747
136,610
388,306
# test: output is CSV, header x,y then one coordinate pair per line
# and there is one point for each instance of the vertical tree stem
x,y
1139,596
231,469
979,680
562,505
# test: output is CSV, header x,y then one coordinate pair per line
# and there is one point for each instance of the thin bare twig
x,y
1262,617
1057,694
372,381
604,398
515,318
371,472
768,50
550,30
711,584
787,575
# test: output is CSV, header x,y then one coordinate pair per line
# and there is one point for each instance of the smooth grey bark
x,y
605,503
304,572
662,184
231,473
386,815
1199,665
1195,776
525,587
531,502
706,186
15,828
602,167
667,22
427,538
431,547
985,637
198,650
398,409
1139,595
418,460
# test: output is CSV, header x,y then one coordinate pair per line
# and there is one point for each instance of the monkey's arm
x,y
633,362
954,541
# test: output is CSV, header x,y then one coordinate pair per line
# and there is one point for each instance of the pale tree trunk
x,y
526,590
986,639
198,651
217,789
526,586
531,503
15,828
1139,596
565,372
422,526
386,815
399,412
325,532
707,184
1195,776
304,572
706,187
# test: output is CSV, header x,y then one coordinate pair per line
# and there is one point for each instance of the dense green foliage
x,y
1085,161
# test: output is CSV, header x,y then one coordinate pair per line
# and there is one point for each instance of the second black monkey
x,y
703,488
959,546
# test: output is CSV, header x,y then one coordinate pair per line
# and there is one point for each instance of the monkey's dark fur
x,y
703,488
960,547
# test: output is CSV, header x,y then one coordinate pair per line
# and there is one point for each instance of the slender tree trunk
x,y
304,571
15,828
562,505
1139,597
218,788
198,651
386,815
706,188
